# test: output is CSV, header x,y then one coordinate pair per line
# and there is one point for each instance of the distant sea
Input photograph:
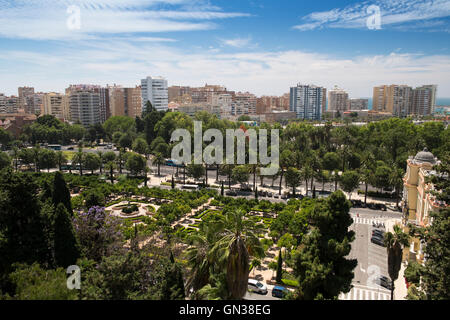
x,y
439,102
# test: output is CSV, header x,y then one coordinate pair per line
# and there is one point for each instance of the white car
x,y
256,286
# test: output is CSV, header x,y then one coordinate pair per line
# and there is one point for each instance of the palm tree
x,y
60,159
395,242
238,242
159,160
100,155
199,255
78,158
396,181
367,170
110,166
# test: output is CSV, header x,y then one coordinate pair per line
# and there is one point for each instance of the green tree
x,y
91,162
349,181
5,160
240,174
35,283
394,244
279,268
159,160
140,146
239,241
65,242
293,178
61,159
321,266
135,164
60,193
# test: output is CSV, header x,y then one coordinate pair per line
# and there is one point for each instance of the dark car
x,y
231,193
279,291
377,240
378,232
384,282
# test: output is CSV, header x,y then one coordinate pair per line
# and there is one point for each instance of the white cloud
x,y
237,42
393,12
47,20
260,71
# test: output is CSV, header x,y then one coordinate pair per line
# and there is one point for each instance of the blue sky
x,y
260,46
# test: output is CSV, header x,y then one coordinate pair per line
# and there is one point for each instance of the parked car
x,y
377,240
256,286
279,291
385,282
269,194
378,232
231,193
70,148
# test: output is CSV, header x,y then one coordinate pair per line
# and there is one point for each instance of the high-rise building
x,y
125,101
399,100
307,101
155,90
337,100
84,104
2,103
424,100
105,110
379,101
177,92
116,100
403,100
55,104
26,99
243,103
358,104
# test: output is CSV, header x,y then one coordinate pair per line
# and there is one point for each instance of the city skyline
x,y
196,42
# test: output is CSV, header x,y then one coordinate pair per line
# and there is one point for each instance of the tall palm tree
x,y
100,155
78,158
395,242
238,242
199,255
396,181
159,160
60,159
366,170
110,166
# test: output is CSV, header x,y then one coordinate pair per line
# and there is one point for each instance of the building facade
x,y
358,104
84,106
337,100
55,104
424,100
307,101
155,90
418,203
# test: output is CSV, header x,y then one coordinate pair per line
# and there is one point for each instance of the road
x,y
372,258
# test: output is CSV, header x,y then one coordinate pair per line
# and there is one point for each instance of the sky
x,y
263,47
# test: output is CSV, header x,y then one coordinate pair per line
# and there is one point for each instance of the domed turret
x,y
425,156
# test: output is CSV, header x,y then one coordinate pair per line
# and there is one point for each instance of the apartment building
x,y
155,90
358,104
26,99
423,100
338,100
307,101
55,104
84,104
244,103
